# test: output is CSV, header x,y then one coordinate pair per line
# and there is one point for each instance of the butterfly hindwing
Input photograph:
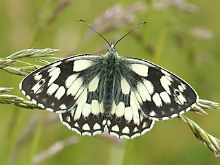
x,y
57,86
124,121
160,93
122,127
91,125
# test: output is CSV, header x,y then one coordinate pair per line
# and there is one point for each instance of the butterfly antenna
x,y
96,31
130,32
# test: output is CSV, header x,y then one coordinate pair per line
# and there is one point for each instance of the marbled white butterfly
x,y
123,96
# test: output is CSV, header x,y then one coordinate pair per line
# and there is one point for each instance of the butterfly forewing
x,y
160,93
57,86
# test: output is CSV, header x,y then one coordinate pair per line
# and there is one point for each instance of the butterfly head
x,y
112,51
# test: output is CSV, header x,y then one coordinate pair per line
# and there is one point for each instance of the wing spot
x,y
152,113
28,97
126,130
183,86
133,104
37,86
75,86
104,122
68,119
144,125
63,106
95,107
140,69
50,109
128,114
52,89
168,78
109,123
165,118
70,80
34,101
54,74
165,97
174,115
79,92
177,92
41,105
81,101
115,128
37,76
149,86
76,125
72,112
94,84
120,109
114,107
143,92
80,65
165,84
101,107
135,129
125,86
86,110
96,126
157,100
86,127
60,92
24,93
138,97
180,88
179,98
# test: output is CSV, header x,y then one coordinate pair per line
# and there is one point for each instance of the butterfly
x,y
123,96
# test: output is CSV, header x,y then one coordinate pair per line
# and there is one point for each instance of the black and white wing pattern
x,y
73,87
125,120
56,87
160,94
119,95
94,124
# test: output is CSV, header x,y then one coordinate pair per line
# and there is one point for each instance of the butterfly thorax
x,y
109,74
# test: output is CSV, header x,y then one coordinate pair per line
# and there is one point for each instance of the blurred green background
x,y
181,36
